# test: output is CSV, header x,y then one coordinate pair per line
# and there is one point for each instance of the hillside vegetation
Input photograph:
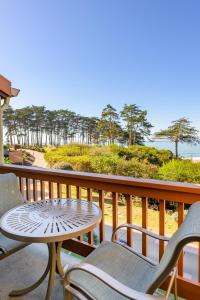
x,y
135,161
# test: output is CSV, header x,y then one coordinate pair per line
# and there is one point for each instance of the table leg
x,y
59,265
52,270
21,292
54,259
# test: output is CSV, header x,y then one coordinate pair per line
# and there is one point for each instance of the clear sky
x,y
84,54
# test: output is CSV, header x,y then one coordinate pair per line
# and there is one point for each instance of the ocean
x,y
185,150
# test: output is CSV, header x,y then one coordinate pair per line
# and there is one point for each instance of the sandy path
x,y
39,159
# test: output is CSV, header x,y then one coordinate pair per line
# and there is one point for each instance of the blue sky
x,y
84,54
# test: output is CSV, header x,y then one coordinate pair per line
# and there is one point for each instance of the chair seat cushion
x,y
120,263
9,246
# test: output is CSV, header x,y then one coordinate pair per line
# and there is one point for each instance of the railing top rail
x,y
93,177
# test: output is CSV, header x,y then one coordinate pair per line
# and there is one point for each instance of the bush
x,y
105,164
153,155
69,154
135,168
180,170
100,150
63,166
76,163
126,154
73,150
7,161
83,166
135,161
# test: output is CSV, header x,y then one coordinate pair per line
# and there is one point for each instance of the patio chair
x,y
10,197
114,271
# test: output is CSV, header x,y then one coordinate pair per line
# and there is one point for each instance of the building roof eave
x,y
6,90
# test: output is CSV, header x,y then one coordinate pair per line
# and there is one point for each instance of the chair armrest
x,y
2,250
111,282
143,230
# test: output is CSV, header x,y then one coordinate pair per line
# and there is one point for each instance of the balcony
x,y
36,184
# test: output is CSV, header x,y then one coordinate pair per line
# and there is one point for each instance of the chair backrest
x,y
10,195
189,231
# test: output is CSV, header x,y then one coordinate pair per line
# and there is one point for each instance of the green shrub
x,y
135,161
126,154
67,153
63,166
100,150
180,170
7,161
77,163
52,157
83,166
136,168
73,150
73,160
105,164
153,155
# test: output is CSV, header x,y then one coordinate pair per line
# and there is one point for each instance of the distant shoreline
x,y
186,151
195,159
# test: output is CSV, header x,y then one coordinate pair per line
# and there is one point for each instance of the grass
x,y
171,224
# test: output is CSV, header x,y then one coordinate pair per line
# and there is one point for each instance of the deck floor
x,y
24,268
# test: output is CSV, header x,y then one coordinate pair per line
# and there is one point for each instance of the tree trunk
x,y
176,148
133,142
130,138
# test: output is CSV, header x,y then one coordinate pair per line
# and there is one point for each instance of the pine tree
x,y
180,131
136,124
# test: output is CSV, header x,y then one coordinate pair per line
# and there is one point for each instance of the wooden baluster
x,y
90,234
161,226
28,189
144,225
78,196
42,188
115,212
78,192
21,186
129,217
59,190
180,221
199,262
35,190
68,191
51,190
101,225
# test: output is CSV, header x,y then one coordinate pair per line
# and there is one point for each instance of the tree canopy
x,y
136,124
108,125
180,131
36,125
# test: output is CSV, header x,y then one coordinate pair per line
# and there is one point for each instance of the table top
x,y
51,220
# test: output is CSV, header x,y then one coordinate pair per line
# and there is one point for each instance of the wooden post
x,y
1,137
3,105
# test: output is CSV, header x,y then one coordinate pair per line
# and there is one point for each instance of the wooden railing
x,y
37,183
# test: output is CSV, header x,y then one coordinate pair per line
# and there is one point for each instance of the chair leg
x,y
175,289
71,292
67,294
172,281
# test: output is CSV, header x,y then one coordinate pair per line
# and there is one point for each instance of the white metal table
x,y
49,221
